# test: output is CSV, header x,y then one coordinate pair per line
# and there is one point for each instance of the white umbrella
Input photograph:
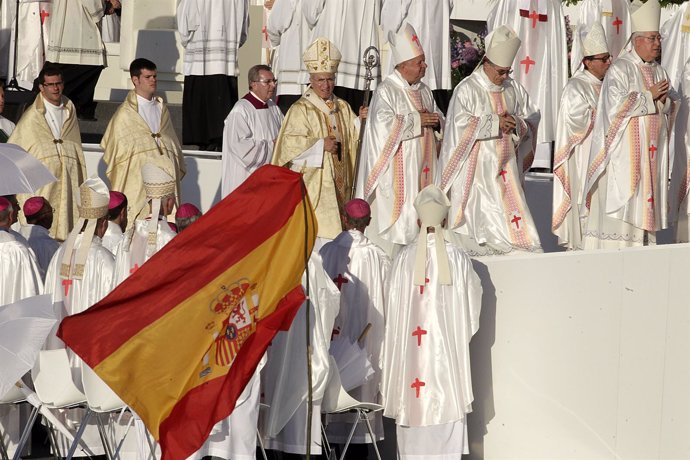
x,y
24,326
21,172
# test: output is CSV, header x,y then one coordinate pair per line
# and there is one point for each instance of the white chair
x,y
101,399
337,401
16,396
55,387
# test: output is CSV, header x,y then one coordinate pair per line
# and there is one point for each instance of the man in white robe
x,y
284,379
628,169
39,217
352,26
488,145
541,64
613,15
680,175
19,278
399,151
359,269
250,130
574,137
286,25
676,35
80,274
431,20
117,221
150,231
6,126
212,31
432,312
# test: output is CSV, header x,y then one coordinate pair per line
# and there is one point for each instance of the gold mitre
x,y
593,40
646,18
502,46
322,56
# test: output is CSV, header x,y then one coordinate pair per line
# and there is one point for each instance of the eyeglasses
x,y
267,82
55,84
652,39
321,81
501,72
602,59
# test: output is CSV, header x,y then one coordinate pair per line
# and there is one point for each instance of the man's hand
x,y
659,91
430,120
363,113
330,144
506,123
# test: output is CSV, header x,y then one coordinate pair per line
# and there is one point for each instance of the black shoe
x,y
86,117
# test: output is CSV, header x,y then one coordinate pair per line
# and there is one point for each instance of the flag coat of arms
x,y
180,338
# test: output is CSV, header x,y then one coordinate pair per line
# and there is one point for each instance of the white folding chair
x,y
101,399
55,387
16,396
337,401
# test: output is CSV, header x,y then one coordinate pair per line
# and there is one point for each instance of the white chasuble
x,y
251,129
359,269
431,21
426,359
676,45
628,171
573,140
483,168
40,242
130,254
680,172
398,157
541,64
613,15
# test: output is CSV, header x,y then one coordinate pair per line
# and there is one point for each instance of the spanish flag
x,y
180,338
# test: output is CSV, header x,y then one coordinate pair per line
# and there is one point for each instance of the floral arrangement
x,y
465,54
661,2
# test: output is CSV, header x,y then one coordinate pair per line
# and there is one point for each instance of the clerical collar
x,y
143,101
405,82
257,103
491,86
634,53
51,106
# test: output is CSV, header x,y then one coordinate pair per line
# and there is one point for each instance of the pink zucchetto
x,y
357,208
33,205
4,203
116,199
186,211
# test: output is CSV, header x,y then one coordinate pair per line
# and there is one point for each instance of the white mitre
x,y
432,208
158,184
502,46
646,18
322,56
593,39
404,44
93,197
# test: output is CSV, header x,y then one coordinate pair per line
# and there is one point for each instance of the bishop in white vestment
x,y
19,278
680,175
39,217
117,221
574,136
400,144
250,130
613,15
628,171
676,35
359,269
432,312
488,146
541,64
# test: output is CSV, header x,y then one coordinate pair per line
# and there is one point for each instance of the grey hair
x,y
253,74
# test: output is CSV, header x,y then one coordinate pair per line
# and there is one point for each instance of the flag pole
x,y
310,395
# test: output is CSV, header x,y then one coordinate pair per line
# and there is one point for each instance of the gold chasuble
x,y
63,157
129,143
309,120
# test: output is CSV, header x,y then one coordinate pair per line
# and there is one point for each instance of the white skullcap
x,y
405,44
432,207
502,46
321,56
593,39
92,201
646,18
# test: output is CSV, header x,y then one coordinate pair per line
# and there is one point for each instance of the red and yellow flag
x,y
179,339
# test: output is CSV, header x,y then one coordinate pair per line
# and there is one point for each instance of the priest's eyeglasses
x,y
602,59
321,81
268,81
653,38
53,84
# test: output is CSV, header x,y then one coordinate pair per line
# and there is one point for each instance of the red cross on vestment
x,y
617,24
426,172
516,220
265,32
527,62
417,385
650,200
534,16
66,284
340,280
421,288
652,150
419,332
503,175
44,15
133,269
